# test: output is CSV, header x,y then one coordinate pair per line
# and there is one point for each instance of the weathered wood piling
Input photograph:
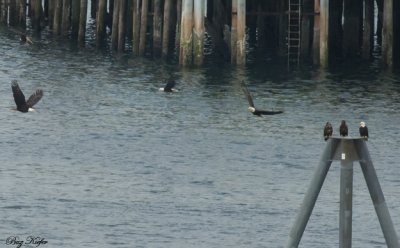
x,y
331,30
324,33
186,39
143,27
82,21
368,34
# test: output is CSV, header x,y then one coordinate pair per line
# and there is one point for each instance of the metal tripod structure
x,y
347,150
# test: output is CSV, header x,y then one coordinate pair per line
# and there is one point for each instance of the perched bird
x,y
343,130
169,87
363,130
252,108
19,98
328,130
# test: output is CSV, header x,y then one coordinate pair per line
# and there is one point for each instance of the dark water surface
x,y
109,161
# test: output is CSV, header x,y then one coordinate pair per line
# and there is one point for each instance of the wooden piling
x,y
114,30
324,34
186,44
178,25
66,14
36,14
387,34
75,16
166,28
136,27
57,18
100,22
316,40
157,28
368,34
143,27
121,25
22,13
396,34
241,35
234,32
198,32
82,21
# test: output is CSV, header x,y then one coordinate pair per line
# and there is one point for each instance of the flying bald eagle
x,y
343,130
169,87
252,108
19,98
363,130
328,130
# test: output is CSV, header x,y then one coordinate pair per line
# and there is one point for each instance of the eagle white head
x,y
252,109
362,124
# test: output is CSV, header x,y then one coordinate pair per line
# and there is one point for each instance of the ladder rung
x,y
294,32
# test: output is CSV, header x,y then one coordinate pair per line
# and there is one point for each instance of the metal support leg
x,y
312,194
346,203
377,196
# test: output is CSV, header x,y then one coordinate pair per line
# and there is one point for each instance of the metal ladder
x,y
294,32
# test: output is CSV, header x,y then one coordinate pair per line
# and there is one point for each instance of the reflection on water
x,y
108,160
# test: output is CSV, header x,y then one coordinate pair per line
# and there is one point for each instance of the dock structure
x,y
321,31
346,150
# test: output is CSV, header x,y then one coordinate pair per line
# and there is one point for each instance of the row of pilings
x,y
331,30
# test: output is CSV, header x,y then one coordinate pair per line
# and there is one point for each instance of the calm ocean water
x,y
109,161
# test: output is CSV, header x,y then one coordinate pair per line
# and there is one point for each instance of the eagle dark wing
x,y
328,131
168,87
19,97
343,130
364,131
247,93
266,112
34,98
